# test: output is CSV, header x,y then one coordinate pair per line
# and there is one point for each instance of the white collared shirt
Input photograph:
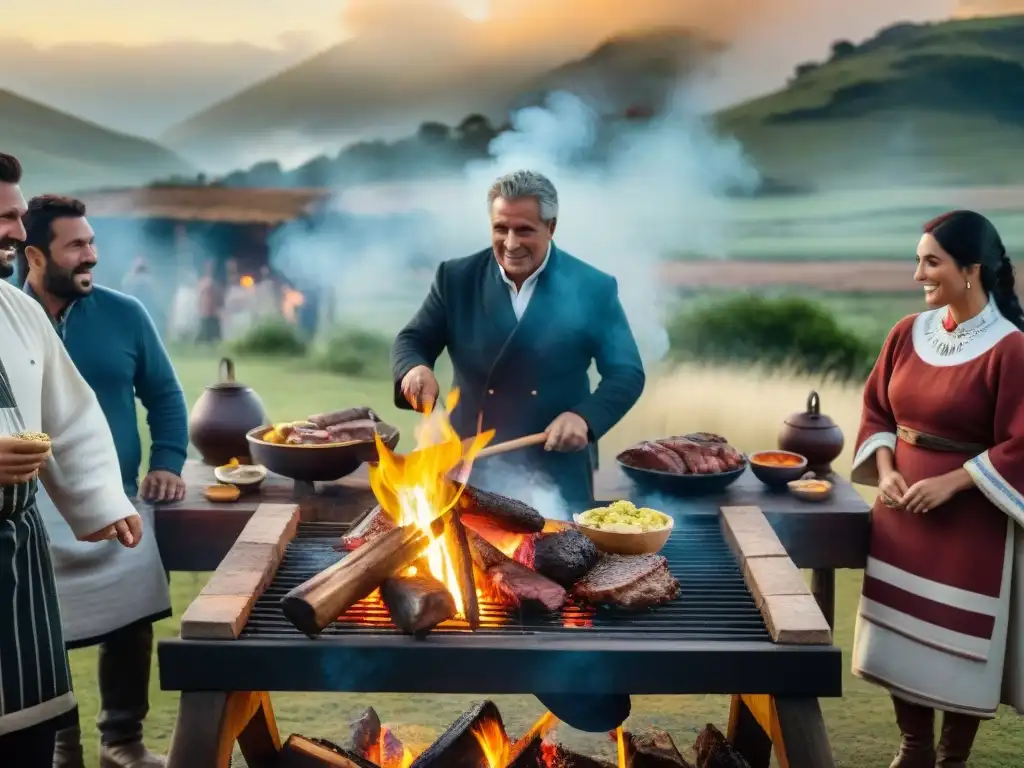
x,y
521,296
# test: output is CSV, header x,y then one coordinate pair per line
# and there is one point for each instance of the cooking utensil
x,y
681,485
462,471
223,415
814,435
317,463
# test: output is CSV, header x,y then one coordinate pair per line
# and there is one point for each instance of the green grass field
x,y
860,724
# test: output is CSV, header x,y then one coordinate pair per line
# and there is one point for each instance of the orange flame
x,y
620,741
498,750
415,489
386,747
246,281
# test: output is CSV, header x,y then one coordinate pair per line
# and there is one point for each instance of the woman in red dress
x,y
942,437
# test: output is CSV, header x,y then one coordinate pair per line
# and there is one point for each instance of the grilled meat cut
x,y
704,458
508,514
565,556
361,431
705,437
633,582
650,455
513,581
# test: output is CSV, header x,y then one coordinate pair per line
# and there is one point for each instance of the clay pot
x,y
222,416
814,435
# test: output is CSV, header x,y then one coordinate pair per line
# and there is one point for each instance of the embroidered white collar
x,y
971,338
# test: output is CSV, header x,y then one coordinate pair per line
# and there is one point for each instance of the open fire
x,y
478,739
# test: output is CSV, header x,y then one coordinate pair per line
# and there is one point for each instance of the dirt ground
x,y
839,276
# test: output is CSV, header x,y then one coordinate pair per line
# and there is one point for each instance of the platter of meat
x,y
322,448
684,465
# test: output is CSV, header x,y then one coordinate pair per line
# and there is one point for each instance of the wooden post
x,y
210,722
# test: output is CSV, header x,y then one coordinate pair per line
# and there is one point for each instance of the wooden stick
x,y
462,561
313,605
512,445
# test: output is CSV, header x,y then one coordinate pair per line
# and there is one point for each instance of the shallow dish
x,y
811,490
622,543
316,463
777,475
675,484
223,475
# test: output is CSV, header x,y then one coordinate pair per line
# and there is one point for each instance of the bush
x,y
356,352
271,338
786,332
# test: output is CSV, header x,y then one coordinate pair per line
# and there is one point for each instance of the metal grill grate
x,y
714,604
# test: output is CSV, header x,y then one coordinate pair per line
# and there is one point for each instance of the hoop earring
x,y
968,285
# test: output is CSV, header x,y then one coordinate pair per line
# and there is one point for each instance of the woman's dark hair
x,y
970,238
10,169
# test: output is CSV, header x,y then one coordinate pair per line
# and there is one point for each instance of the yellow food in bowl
x,y
624,517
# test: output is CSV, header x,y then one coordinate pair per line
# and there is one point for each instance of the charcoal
x,y
458,746
508,514
713,750
564,557
654,749
365,732
557,756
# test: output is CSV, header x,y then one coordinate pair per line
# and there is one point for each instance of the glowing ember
x,y
246,281
415,489
389,752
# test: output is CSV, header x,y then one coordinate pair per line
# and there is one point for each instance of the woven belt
x,y
935,443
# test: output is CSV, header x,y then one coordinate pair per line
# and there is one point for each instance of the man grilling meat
x,y
522,322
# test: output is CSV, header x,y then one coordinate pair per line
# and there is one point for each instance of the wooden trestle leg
x,y
793,727
210,722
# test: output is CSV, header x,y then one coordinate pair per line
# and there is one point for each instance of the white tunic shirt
x,y
521,296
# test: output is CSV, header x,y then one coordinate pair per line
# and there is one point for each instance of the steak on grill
x,y
633,582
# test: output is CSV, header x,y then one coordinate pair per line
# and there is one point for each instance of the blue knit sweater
x,y
114,344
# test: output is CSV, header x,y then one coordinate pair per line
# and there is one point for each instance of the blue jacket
x,y
115,346
517,376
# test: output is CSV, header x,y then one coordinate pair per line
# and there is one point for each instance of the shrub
x,y
790,332
275,337
356,352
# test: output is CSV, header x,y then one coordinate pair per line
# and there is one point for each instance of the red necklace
x,y
948,323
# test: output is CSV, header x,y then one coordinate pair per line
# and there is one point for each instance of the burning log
x,y
313,605
417,602
653,750
514,581
713,750
459,746
557,756
301,752
508,514
564,557
457,543
366,733
374,524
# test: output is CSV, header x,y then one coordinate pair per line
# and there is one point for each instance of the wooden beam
x,y
224,604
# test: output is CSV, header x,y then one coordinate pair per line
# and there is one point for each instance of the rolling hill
x,y
61,152
338,96
939,103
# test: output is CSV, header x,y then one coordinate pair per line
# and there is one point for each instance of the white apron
x,y
104,587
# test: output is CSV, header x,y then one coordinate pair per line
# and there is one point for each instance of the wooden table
x,y
195,534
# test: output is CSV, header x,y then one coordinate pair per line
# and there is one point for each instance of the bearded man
x,y
522,322
109,597
41,391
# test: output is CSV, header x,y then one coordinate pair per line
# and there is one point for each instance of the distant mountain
x,y
336,96
61,152
941,103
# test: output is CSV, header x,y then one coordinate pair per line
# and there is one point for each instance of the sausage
x,y
652,456
361,431
325,420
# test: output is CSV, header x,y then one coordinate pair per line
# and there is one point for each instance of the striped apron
x,y
35,681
